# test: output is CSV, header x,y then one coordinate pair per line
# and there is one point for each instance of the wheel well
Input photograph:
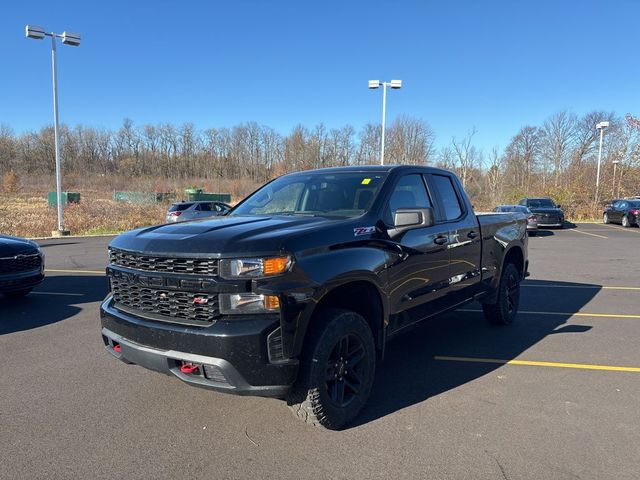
x,y
516,257
360,297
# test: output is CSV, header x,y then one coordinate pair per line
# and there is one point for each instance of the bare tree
x,y
465,155
557,138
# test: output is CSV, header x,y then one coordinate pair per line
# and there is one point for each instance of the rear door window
x,y
450,203
179,207
204,207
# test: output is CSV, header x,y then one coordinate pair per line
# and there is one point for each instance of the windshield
x,y
325,194
541,203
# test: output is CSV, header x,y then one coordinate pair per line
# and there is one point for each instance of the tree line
x,y
557,157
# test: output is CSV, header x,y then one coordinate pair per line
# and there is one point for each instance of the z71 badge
x,y
363,231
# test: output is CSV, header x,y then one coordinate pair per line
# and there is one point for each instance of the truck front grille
x,y
20,263
156,263
165,305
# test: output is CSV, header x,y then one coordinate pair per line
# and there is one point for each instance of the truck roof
x,y
370,168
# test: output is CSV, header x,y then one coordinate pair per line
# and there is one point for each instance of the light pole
x,y
600,126
373,84
73,39
615,165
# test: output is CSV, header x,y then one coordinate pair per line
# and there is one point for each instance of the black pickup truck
x,y
295,293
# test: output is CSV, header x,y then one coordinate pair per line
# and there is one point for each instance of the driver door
x,y
421,273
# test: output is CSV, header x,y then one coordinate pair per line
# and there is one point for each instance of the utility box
x,y
66,197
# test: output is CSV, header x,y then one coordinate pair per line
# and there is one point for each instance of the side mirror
x,y
559,206
410,218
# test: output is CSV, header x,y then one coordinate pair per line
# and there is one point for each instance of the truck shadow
x,y
411,374
58,298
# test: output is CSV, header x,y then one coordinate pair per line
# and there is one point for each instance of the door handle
x,y
472,234
440,240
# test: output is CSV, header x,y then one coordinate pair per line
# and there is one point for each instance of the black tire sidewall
x,y
342,323
506,316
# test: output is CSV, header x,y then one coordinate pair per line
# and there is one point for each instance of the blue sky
x,y
495,65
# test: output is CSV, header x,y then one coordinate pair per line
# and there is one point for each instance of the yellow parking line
x,y
598,287
587,233
582,366
564,314
89,272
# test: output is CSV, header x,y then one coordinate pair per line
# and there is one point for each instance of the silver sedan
x,y
184,211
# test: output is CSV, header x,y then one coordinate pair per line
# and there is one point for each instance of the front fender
x,y
315,275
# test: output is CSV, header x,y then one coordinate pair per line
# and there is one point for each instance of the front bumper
x,y
14,282
233,356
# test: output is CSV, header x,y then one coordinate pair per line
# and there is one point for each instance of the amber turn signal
x,y
275,265
271,302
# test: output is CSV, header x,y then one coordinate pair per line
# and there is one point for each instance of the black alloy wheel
x,y
344,370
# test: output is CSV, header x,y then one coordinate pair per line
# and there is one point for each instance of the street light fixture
x,y
600,126
394,84
68,38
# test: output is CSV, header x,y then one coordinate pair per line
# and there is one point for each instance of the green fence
x,y
214,197
141,197
66,197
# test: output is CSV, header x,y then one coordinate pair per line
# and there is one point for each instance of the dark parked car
x,y
295,293
21,266
183,211
626,212
532,219
549,214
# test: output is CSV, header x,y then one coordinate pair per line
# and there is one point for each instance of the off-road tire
x,y
504,311
311,397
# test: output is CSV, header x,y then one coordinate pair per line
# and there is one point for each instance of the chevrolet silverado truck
x,y
296,291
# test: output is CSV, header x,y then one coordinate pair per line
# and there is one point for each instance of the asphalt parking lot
x,y
554,396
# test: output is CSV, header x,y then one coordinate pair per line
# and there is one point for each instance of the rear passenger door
x,y
465,242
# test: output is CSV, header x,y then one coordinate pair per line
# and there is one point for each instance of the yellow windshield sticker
x,y
366,181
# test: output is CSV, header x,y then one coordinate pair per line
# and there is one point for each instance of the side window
x,y
523,202
410,192
448,196
205,207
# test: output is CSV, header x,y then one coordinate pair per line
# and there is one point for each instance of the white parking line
x,y
587,233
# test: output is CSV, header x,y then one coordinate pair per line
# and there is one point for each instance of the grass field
x,y
28,216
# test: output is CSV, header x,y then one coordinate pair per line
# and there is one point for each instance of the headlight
x,y
254,267
247,303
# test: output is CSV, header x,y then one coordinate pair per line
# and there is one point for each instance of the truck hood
x,y
11,246
221,236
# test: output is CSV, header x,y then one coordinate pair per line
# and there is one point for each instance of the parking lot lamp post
x,y
613,189
373,84
73,39
600,126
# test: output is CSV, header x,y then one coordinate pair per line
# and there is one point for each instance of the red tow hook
x,y
189,368
117,348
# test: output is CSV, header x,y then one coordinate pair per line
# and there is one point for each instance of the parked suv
x,y
183,211
295,293
547,212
